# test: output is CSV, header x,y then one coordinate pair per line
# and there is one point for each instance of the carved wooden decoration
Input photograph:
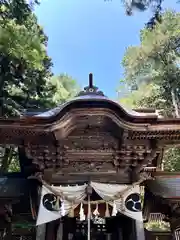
x,y
95,146
91,136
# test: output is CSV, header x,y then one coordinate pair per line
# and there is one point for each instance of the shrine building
x,y
85,167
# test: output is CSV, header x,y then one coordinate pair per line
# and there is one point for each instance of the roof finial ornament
x,y
90,80
91,89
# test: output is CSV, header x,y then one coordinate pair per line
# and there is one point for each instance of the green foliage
x,y
171,159
153,67
156,60
158,48
17,9
147,96
141,5
25,66
25,70
66,87
137,99
157,226
18,42
9,160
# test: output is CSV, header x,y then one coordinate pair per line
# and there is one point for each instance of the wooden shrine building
x,y
88,139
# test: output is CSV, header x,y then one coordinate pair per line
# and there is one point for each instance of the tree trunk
x,y
1,95
6,159
3,77
175,103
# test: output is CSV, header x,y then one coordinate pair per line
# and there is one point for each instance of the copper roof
x,y
166,185
96,98
91,99
92,94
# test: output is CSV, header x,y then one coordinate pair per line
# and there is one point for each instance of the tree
x,y
171,159
142,5
153,99
25,68
66,87
156,59
153,67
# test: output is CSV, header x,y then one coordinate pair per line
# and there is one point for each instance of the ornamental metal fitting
x,y
91,89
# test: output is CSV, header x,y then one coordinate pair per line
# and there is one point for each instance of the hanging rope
x,y
144,177
118,196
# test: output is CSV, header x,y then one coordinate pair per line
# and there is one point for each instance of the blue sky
x,y
91,36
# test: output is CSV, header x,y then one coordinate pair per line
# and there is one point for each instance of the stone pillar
x,y
41,232
139,226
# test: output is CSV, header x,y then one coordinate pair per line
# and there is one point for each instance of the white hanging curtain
x,y
129,204
52,207
74,194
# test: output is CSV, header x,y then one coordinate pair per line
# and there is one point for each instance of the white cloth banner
x,y
129,204
52,208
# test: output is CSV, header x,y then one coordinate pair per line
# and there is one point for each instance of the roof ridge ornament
x,y
91,89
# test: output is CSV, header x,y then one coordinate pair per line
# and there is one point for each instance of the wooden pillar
x,y
120,236
8,235
60,230
51,230
41,232
108,236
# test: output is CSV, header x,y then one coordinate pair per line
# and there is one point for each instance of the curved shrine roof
x,y
92,97
165,184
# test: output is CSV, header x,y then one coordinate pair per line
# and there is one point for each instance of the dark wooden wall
x,y
158,235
